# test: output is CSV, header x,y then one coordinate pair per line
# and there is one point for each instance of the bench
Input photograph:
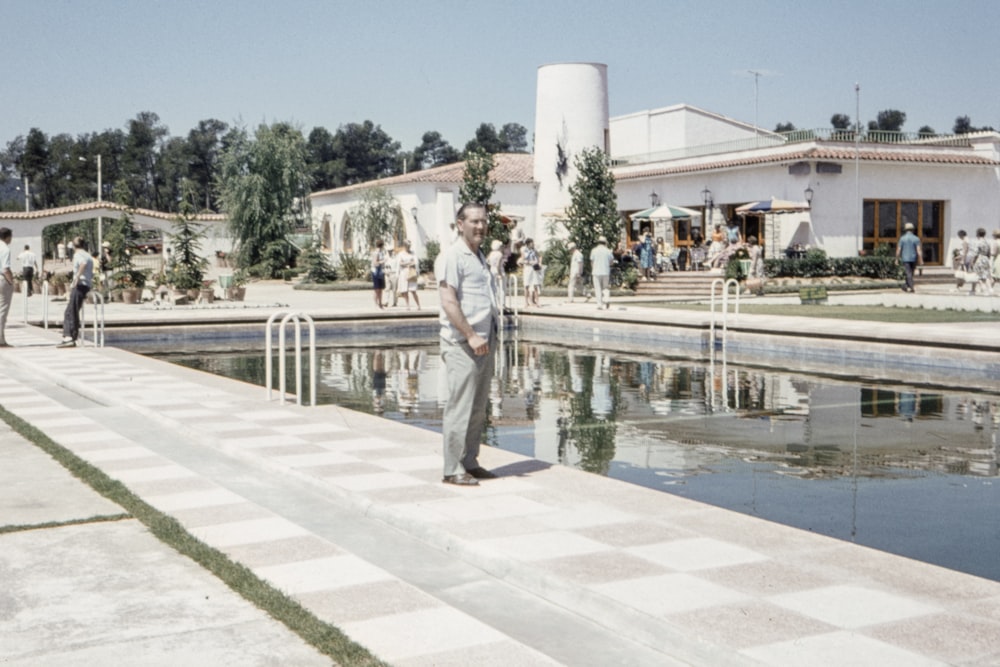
x,y
812,295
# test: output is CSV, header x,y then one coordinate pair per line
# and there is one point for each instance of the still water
x,y
910,470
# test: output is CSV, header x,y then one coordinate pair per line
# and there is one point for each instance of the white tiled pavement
x,y
346,513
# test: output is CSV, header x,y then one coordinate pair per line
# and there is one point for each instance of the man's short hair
x,y
80,242
6,234
466,206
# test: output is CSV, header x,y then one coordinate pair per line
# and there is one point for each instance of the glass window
x,y
910,211
887,227
931,224
868,226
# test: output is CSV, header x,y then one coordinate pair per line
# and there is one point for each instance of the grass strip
x,y
99,518
864,313
326,638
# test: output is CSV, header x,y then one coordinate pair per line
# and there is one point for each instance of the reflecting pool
x,y
910,470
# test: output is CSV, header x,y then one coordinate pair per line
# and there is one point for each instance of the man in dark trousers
x,y
83,279
909,254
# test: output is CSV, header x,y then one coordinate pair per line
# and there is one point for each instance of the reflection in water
x,y
901,468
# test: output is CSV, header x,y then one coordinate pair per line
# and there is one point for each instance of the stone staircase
x,y
679,285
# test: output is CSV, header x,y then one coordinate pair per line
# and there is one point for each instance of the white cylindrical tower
x,y
571,114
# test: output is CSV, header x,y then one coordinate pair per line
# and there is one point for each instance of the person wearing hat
x,y
909,254
600,269
575,269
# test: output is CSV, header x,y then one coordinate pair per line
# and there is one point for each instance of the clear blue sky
x,y
79,66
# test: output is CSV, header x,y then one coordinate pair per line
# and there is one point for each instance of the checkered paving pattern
x,y
695,582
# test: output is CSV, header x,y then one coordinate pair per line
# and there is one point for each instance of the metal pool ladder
x,y
297,318
724,285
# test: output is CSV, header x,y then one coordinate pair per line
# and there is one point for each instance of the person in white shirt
x,y
600,268
83,280
6,282
469,317
392,276
575,269
29,264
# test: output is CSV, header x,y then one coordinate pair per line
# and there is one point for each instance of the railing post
x,y
45,304
98,319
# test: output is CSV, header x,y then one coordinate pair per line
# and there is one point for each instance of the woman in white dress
x,y
408,274
532,264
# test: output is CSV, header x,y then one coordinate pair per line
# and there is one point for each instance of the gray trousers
x,y
601,292
464,419
6,297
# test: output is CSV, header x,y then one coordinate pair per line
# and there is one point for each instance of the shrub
x,y
317,264
433,250
354,267
556,261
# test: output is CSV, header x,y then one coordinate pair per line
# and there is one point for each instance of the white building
x,y
860,190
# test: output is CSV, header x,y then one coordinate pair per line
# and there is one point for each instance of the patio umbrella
x,y
773,205
666,212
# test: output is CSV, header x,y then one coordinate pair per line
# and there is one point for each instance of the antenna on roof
x,y
756,88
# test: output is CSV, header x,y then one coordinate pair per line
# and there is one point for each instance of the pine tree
x,y
593,211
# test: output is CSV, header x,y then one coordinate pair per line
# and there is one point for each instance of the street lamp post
x,y
654,199
100,198
706,196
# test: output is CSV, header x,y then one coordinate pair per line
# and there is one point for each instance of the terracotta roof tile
x,y
105,205
923,155
507,168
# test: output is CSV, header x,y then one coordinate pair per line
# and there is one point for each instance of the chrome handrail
x,y
297,318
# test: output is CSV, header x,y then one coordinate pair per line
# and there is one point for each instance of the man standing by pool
x,y
909,254
6,281
469,317
600,269
83,278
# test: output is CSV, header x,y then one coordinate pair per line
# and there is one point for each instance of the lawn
x,y
869,313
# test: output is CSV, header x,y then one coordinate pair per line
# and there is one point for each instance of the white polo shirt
x,y
475,286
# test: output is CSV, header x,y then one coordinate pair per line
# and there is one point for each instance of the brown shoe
x,y
464,479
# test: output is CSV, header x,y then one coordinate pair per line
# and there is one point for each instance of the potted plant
x,y
187,267
236,290
58,282
130,282
207,293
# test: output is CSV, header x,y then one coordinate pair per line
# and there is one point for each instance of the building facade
x,y
853,192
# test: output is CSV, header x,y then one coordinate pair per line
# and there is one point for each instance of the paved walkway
x,y
346,513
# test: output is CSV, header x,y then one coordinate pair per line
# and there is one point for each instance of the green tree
x,y
324,163
187,264
593,209
888,120
434,151
140,161
784,127
514,138
477,186
365,153
840,121
316,263
264,186
486,141
204,148
377,216
963,125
